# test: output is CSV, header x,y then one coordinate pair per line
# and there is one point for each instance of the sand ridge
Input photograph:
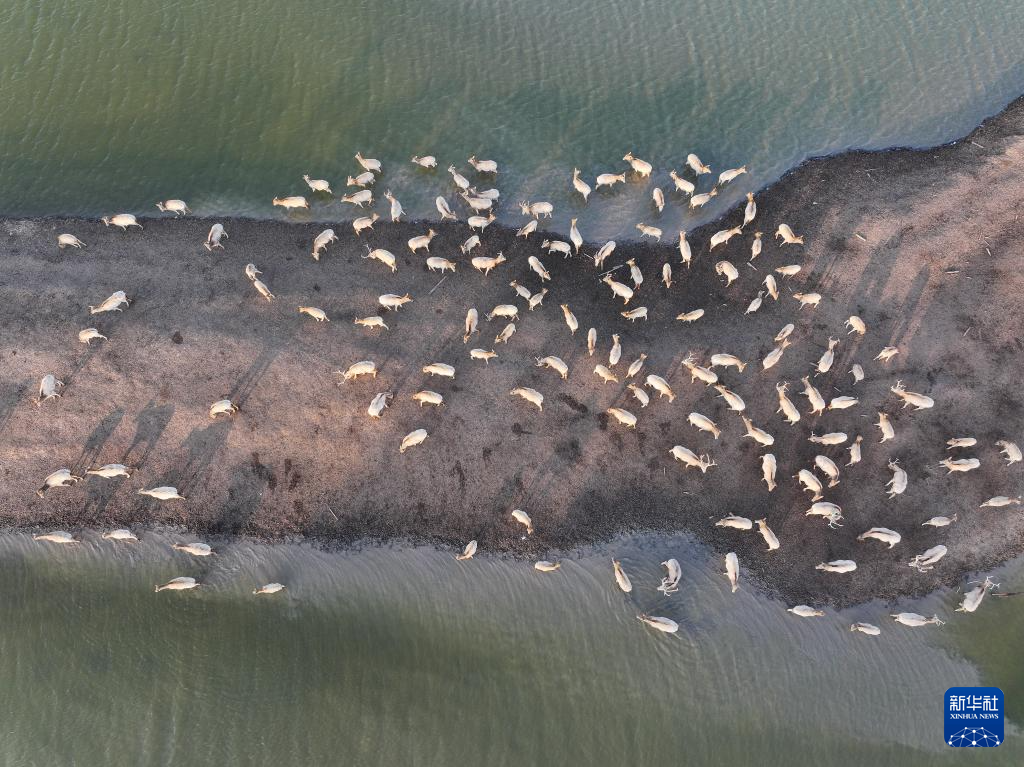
x,y
920,244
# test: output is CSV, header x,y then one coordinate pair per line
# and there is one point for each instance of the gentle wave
x,y
390,653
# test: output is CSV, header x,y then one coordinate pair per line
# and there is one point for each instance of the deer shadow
x,y
150,424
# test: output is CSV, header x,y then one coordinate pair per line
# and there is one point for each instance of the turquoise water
x,y
401,655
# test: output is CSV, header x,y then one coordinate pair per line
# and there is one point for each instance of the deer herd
x,y
817,479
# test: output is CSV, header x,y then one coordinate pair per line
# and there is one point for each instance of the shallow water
x,y
111,105
392,656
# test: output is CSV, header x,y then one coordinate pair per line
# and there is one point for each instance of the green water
x,y
111,105
403,656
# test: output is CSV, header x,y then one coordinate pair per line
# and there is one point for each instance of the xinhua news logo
x,y
974,717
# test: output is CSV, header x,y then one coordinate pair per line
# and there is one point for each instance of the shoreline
x,y
284,216
197,332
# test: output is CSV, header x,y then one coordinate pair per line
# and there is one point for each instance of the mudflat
x,y
922,245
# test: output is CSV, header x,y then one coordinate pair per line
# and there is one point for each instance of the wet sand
x,y
923,245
